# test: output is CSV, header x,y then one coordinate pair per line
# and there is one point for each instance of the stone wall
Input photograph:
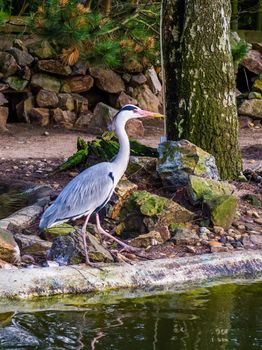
x,y
36,87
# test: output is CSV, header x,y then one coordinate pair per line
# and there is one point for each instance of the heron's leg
x,y
88,262
124,245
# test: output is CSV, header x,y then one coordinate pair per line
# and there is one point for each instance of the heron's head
x,y
132,112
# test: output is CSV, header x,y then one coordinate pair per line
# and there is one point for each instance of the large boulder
x,y
200,188
8,64
135,128
146,99
32,244
103,115
23,58
69,249
216,197
253,61
84,120
65,119
39,116
221,209
80,84
46,98
9,250
66,102
46,82
143,212
251,108
179,159
122,99
54,67
107,80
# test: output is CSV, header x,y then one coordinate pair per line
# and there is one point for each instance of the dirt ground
x,y
32,143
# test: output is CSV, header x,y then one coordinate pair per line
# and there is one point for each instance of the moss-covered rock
x,y
199,188
17,83
222,209
143,212
58,230
257,86
179,159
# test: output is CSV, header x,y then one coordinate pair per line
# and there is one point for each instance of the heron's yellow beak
x,y
149,114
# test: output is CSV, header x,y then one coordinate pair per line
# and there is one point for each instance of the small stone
x,y
258,221
191,249
255,214
219,230
27,259
241,227
146,240
185,237
46,133
256,240
245,122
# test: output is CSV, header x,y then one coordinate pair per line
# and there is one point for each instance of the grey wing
x,y
83,195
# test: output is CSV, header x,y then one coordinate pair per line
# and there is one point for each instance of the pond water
x,y
220,317
12,198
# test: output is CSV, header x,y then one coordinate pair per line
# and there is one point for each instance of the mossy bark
x,y
199,79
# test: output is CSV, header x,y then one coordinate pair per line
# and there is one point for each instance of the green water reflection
x,y
220,317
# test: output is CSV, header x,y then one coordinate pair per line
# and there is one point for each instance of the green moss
x,y
257,87
150,205
222,210
199,188
253,200
17,83
58,230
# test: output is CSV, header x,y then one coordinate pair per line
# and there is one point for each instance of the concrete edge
x,y
28,283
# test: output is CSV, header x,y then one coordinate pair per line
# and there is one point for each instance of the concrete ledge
x,y
26,283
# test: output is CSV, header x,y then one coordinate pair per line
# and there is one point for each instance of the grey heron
x,y
90,191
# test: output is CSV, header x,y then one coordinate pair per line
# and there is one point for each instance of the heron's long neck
x,y
122,158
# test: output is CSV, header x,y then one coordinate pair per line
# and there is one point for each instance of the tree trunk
x,y
199,79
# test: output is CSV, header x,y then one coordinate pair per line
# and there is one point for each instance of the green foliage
x,y
103,148
239,51
109,41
